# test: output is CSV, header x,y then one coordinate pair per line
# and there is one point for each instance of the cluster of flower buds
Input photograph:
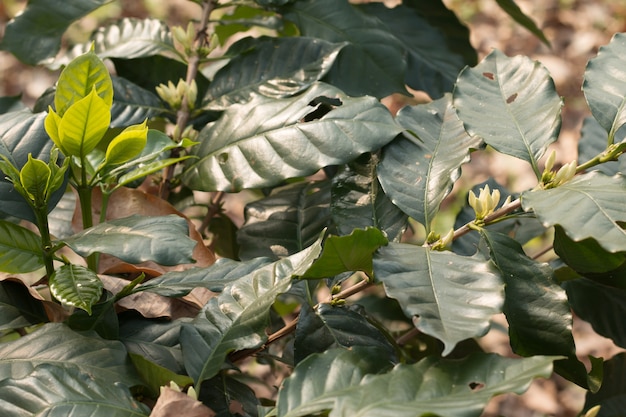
x,y
190,391
174,94
440,243
485,203
551,179
187,38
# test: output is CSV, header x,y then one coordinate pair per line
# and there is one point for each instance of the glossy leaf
x,y
136,239
56,344
263,142
52,390
236,319
132,104
127,145
432,65
35,177
433,386
18,308
35,35
604,86
522,103
288,220
22,133
536,308
586,297
358,201
223,272
20,249
417,170
328,327
80,78
448,296
585,256
127,38
369,43
612,395
516,13
77,286
594,207
352,252
102,319
273,67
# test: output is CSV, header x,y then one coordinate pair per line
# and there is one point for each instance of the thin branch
x,y
213,209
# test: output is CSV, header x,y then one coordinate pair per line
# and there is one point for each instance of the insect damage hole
x,y
489,75
511,98
476,386
323,105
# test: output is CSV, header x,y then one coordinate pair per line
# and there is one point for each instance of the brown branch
x,y
213,209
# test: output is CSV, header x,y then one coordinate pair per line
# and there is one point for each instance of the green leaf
x,y
347,253
236,319
536,308
156,376
273,67
328,327
57,344
297,136
604,86
432,64
612,395
127,38
79,79
586,256
62,391
132,104
77,286
593,141
102,319
417,171
586,297
328,372
20,249
516,13
83,125
369,43
358,200
135,239
35,178
594,197
449,297
18,308
462,388
522,103
10,104
36,34
127,145
22,133
225,390
290,219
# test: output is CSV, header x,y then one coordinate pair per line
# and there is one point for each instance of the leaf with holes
x,y
76,286
265,141
449,297
512,104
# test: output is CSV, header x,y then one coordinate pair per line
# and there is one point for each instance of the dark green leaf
x,y
418,170
76,286
265,141
522,103
156,376
536,308
103,318
273,67
11,104
136,239
36,34
586,297
448,296
57,344
433,386
586,256
22,133
18,308
225,392
516,13
358,201
432,65
352,252
369,45
236,319
132,104
20,249
57,391
604,86
287,221
215,278
612,395
329,327
595,206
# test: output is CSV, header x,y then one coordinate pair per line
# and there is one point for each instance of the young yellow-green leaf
x,y
84,124
79,78
51,124
76,286
127,144
35,178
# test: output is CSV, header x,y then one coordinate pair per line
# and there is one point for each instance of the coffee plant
x,y
341,293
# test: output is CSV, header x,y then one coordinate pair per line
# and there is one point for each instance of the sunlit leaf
x,y
76,286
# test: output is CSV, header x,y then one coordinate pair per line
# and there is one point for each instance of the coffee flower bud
x,y
485,203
